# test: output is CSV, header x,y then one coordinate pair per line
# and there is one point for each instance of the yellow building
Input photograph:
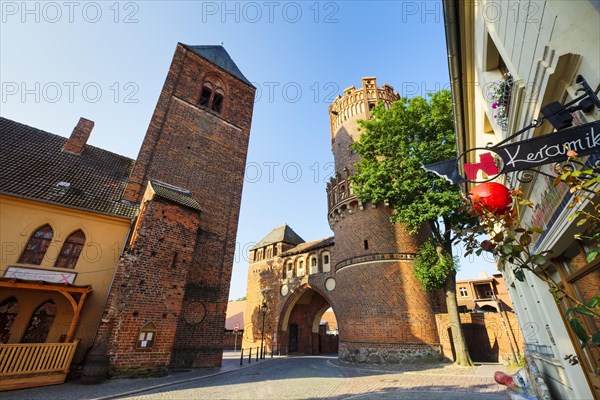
x,y
63,231
535,52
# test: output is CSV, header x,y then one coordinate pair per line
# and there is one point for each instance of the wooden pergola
x,y
67,290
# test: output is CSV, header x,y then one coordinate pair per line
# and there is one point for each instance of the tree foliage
x,y
431,268
395,144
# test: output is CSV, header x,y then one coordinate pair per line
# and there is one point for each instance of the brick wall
x,y
488,337
148,287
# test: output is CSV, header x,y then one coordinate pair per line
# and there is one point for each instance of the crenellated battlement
x,y
359,102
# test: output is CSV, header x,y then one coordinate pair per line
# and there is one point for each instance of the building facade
x,y
507,61
486,293
142,249
364,272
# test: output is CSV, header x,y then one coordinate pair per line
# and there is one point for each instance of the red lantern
x,y
492,196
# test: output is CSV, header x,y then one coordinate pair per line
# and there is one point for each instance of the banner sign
x,y
32,274
526,154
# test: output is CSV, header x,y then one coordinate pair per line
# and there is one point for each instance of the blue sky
x,y
107,61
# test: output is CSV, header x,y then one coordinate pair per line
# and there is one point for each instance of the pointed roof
x,y
218,56
283,234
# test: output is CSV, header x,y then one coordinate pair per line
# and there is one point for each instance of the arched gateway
x,y
364,272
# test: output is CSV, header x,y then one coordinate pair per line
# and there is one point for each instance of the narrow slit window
x,y
366,245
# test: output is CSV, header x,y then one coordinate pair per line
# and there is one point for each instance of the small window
x,y
217,103
326,265
147,336
313,265
463,291
9,309
37,246
289,270
205,96
69,254
366,244
40,323
301,268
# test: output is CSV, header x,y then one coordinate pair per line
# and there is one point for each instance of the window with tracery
x,y
40,323
37,246
69,254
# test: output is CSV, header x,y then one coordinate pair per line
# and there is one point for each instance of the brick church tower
x,y
167,305
380,303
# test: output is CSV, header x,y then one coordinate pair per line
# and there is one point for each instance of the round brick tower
x,y
384,316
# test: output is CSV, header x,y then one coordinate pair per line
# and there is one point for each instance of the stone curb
x,y
162,385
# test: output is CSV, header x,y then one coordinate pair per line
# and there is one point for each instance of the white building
x,y
543,46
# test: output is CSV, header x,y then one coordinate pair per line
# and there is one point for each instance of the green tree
x,y
395,143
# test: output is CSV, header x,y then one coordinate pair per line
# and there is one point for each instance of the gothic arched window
x,y
69,254
40,323
9,309
36,246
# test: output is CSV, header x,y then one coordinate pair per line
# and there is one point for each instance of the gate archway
x,y
300,328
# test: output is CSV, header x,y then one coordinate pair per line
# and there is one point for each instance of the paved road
x,y
317,377
310,377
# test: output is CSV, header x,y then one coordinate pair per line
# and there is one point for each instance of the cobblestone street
x,y
310,377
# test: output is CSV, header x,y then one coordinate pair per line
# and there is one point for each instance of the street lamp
x,y
263,310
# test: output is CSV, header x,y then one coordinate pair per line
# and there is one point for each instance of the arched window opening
x,y
147,336
9,309
289,270
69,254
326,263
205,96
313,265
40,323
217,103
301,268
37,246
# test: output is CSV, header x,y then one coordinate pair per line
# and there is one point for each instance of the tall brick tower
x,y
198,140
378,302
169,299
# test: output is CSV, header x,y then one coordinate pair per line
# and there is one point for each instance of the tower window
x,y
217,103
205,96
366,244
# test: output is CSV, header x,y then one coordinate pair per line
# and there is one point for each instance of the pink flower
x,y
572,153
495,105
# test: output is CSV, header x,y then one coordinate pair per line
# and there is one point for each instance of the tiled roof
x,y
175,194
32,165
218,56
309,246
283,234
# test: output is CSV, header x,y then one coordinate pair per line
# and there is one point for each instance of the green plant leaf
x,y
596,338
583,310
594,302
579,330
519,274
591,256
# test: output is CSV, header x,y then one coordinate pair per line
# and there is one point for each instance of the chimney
x,y
79,137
